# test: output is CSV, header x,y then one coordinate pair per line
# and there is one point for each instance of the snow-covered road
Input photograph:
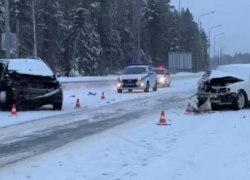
x,y
32,137
206,146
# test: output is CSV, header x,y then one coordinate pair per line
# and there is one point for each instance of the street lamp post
x,y
199,18
209,36
34,29
215,36
199,26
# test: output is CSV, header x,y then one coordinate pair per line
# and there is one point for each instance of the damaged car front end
x,y
28,83
224,90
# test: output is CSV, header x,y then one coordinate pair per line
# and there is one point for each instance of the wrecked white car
x,y
228,85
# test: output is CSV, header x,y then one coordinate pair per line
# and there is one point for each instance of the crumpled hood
x,y
220,74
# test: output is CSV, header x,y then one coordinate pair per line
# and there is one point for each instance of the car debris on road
x,y
203,108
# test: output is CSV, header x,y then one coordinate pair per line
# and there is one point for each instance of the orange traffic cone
x,y
163,120
78,105
13,110
103,96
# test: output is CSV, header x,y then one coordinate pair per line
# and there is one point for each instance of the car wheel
x,y
3,98
57,105
119,90
155,86
147,87
240,101
5,101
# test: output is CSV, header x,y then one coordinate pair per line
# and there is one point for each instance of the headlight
x,y
119,84
140,78
162,80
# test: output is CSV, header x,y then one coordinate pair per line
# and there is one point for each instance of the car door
x,y
152,77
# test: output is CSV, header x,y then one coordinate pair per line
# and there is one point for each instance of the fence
x,y
180,61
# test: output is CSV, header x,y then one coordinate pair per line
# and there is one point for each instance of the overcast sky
x,y
233,15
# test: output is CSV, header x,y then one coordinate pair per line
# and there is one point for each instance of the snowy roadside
x,y
89,92
206,146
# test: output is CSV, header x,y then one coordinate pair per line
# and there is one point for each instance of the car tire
x,y
5,101
3,98
57,105
155,86
147,87
119,90
240,101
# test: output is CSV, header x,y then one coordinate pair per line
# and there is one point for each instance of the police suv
x,y
137,77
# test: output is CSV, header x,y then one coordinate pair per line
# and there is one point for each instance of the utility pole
x,y
34,28
215,36
209,37
139,32
133,31
7,29
201,59
209,45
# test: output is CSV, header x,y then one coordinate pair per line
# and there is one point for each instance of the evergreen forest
x,y
98,37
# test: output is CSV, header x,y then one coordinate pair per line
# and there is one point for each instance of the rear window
x,y
160,71
30,67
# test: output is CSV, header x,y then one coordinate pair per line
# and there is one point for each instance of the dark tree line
x,y
237,58
93,37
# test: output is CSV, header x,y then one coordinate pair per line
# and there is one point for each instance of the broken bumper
x,y
31,97
218,99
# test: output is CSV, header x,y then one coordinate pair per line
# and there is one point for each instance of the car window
x,y
135,70
160,71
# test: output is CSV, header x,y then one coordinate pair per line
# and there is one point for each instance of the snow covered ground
x,y
89,91
194,147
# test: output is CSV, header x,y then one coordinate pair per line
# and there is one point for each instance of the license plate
x,y
129,84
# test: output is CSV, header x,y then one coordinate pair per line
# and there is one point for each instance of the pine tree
x,y
87,37
156,36
85,41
